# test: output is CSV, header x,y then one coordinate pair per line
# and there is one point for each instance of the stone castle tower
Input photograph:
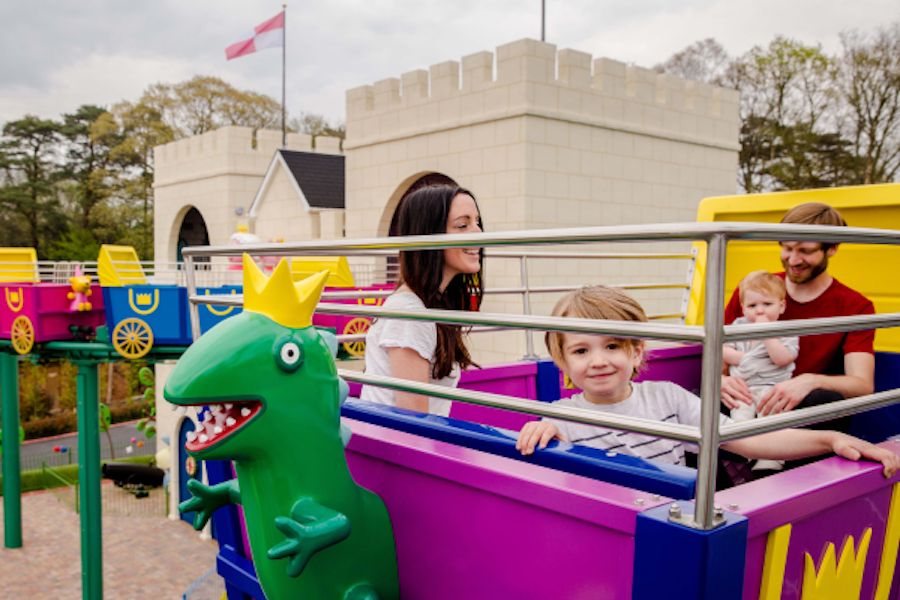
x,y
554,139
206,184
551,139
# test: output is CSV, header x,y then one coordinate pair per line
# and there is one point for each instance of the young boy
x,y
761,363
603,367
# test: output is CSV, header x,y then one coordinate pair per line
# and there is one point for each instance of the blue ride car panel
x,y
668,480
677,562
882,423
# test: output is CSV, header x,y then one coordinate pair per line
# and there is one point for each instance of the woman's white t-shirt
x,y
420,336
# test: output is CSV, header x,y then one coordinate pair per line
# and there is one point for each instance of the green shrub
x,y
32,480
34,403
68,422
68,396
50,426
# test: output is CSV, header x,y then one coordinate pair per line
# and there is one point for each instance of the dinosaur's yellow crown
x,y
278,297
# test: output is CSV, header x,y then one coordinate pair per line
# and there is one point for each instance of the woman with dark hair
x,y
448,279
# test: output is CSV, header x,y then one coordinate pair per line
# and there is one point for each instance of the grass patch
x,y
31,480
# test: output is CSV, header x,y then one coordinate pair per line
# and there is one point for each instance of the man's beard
x,y
806,276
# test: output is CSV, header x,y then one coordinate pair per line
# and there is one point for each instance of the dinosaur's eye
x,y
288,354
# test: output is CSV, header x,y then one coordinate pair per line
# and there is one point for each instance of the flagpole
x,y
283,61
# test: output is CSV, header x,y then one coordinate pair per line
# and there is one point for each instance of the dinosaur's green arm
x,y
312,528
208,500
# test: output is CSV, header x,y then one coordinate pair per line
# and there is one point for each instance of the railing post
x,y
88,390
711,383
526,306
12,476
193,309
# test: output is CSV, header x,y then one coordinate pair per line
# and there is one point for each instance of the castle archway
x,y
191,232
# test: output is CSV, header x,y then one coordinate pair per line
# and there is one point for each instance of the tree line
x,y
809,119
69,185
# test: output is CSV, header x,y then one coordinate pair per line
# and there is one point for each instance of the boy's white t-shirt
x,y
656,400
420,336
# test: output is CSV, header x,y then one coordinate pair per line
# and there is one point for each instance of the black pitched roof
x,y
320,176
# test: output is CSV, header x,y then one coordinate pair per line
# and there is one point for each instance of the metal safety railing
x,y
712,334
57,484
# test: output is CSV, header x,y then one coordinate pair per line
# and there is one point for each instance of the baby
x,y
603,368
761,363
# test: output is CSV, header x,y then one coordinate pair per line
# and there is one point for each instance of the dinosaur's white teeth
x,y
173,407
228,406
217,430
216,408
191,436
245,412
182,410
203,438
230,422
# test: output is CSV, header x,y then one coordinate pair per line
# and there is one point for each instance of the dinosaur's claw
x,y
208,500
312,528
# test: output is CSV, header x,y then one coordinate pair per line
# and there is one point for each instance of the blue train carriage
x,y
141,313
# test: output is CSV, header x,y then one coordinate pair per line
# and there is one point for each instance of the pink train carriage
x,y
45,305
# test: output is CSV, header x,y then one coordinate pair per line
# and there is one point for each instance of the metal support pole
x,y
711,384
12,476
543,15
526,307
283,77
88,389
193,309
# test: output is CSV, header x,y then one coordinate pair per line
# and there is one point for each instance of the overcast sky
x,y
58,54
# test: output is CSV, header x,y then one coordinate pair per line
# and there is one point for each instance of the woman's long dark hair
x,y
425,212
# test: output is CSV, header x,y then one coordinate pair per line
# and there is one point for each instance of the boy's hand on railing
x,y
536,433
735,392
853,448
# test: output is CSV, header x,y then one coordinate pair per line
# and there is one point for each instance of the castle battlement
x,y
602,92
229,150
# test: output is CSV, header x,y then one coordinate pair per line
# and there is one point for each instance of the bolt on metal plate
x,y
687,519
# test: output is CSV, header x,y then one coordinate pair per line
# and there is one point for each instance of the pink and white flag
x,y
267,35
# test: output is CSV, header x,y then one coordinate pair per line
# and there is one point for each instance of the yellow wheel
x,y
354,327
132,338
22,335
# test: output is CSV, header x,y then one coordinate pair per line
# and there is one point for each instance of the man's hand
x,y
735,391
536,433
852,448
786,395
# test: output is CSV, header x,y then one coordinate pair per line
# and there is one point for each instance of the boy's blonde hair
x,y
595,302
764,283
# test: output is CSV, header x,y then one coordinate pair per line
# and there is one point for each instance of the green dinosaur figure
x,y
275,398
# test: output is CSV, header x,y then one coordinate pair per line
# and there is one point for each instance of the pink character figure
x,y
239,239
270,262
81,289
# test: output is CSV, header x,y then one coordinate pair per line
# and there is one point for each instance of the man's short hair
x,y
815,213
595,302
764,283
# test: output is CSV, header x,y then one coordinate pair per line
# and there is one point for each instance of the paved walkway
x,y
143,556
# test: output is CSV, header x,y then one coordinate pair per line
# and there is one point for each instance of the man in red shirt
x,y
830,366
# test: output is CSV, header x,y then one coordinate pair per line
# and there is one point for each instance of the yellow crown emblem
x,y
143,299
837,582
278,297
